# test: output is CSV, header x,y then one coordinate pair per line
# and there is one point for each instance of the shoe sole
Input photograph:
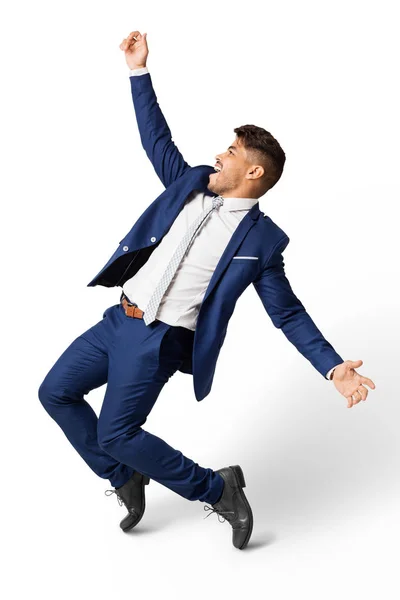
x,y
239,476
145,481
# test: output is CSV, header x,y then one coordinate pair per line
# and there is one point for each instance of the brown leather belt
x,y
131,309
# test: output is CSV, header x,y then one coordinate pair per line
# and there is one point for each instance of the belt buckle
x,y
123,296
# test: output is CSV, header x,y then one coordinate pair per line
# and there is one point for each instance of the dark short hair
x,y
266,149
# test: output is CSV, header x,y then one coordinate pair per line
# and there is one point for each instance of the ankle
x,y
221,491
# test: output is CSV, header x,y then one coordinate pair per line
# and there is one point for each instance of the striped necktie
x,y
155,299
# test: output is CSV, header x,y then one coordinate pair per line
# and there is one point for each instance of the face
x,y
234,166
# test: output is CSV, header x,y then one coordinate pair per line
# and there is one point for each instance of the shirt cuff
x,y
328,375
140,71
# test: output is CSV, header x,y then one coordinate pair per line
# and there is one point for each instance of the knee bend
x,y
50,394
45,393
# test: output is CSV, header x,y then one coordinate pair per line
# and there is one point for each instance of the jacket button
x,y
125,248
153,239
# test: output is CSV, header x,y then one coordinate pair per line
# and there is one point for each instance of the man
x,y
181,267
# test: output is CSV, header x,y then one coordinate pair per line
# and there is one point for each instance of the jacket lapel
x,y
237,237
172,205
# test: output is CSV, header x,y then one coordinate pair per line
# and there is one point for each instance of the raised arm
x,y
155,134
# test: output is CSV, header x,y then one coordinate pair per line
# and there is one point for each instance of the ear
x,y
255,172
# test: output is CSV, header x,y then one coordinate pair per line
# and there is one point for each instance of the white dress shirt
x,y
181,302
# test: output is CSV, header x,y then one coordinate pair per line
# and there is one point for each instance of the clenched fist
x,y
136,50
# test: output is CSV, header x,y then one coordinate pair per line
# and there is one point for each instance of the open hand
x,y
350,383
136,49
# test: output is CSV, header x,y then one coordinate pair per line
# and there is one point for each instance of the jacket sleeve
x,y
155,134
289,314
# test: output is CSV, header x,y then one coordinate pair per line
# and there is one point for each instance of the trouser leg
x,y
82,367
141,361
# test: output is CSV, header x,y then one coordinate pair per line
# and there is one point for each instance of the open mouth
x,y
217,169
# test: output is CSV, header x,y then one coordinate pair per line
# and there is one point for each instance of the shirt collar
x,y
231,204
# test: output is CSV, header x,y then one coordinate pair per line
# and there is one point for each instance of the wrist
x,y
133,67
332,373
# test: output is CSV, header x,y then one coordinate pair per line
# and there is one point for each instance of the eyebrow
x,y
232,148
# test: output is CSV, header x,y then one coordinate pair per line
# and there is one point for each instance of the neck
x,y
238,195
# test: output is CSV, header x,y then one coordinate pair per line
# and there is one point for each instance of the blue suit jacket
x,y
256,235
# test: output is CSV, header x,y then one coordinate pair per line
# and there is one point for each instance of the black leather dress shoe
x,y
233,506
132,495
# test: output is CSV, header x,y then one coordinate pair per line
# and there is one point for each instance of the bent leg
x,y
82,367
140,364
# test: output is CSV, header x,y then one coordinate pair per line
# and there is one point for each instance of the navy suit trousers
x,y
135,361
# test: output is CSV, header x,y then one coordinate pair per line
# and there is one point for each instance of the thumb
x,y
355,363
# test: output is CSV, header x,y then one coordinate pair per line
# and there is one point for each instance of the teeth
x,y
217,169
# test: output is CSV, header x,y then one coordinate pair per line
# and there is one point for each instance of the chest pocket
x,y
244,268
251,260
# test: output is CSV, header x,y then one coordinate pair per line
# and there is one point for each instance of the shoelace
x,y
218,512
120,501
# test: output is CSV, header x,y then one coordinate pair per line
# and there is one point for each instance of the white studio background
x,y
323,480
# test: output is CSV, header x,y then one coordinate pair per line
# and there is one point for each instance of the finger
x,y
349,401
129,41
368,382
353,364
356,396
134,38
126,44
363,392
